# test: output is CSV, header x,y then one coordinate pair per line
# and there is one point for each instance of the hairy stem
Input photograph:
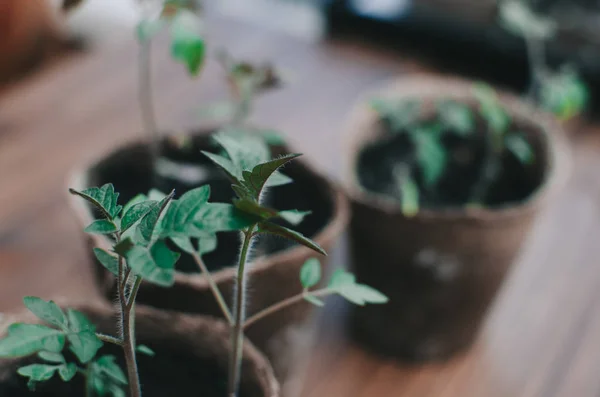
x,y
213,287
145,97
129,341
292,300
237,334
109,339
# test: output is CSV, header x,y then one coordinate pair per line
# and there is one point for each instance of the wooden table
x,y
542,337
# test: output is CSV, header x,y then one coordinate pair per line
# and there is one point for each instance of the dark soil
x,y
515,183
130,171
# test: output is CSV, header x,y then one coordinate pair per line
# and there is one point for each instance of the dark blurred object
x,y
463,36
29,32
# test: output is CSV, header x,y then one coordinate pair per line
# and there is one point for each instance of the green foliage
x,y
491,110
310,273
25,339
281,231
155,264
143,349
43,372
135,213
518,18
82,336
430,152
401,114
520,148
106,377
101,226
344,284
456,116
409,191
187,41
47,311
564,93
103,199
110,262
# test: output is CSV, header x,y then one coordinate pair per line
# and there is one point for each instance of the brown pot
x,y
273,277
192,354
441,269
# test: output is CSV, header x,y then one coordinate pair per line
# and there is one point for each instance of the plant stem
x,y
146,100
213,287
237,334
109,339
283,304
88,380
537,64
128,309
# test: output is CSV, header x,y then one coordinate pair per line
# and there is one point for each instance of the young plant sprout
x,y
140,230
561,92
421,172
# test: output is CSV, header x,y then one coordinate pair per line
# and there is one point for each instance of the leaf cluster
x,y
431,156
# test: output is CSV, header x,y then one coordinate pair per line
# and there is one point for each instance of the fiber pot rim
x,y
180,325
362,119
340,216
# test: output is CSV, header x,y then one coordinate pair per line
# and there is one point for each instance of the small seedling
x,y
139,231
561,92
431,159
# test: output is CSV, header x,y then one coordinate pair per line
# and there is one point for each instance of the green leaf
x,y
245,150
103,198
108,365
135,213
409,191
123,247
278,179
564,93
518,145
518,18
143,349
67,371
340,278
490,108
271,228
314,300
147,29
220,217
82,337
51,357
101,226
360,294
256,179
46,310
184,244
457,117
155,265
294,217
226,165
179,217
37,373
273,138
26,339
310,273
135,200
402,114
149,222
110,262
187,44
254,209
431,155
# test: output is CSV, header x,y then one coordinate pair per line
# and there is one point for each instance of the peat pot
x,y
274,275
192,353
442,267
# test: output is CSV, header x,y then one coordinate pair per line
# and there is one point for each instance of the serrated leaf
x,y
155,265
143,349
135,213
431,156
310,273
256,179
271,228
67,371
148,224
245,150
101,226
51,357
314,300
135,200
107,364
147,29
294,217
187,42
26,339
103,198
46,310
220,217
82,336
207,243
110,262
519,146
